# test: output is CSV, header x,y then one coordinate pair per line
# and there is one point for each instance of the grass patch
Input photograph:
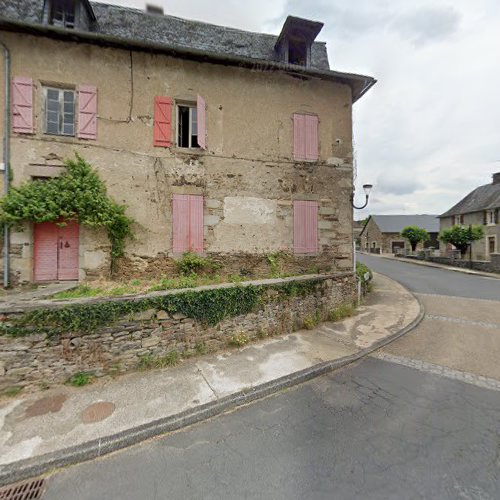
x,y
12,391
80,379
341,312
148,361
78,292
311,322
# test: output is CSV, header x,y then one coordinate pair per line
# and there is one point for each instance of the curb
x,y
32,467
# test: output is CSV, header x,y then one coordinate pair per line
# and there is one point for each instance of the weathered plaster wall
x,y
34,359
247,174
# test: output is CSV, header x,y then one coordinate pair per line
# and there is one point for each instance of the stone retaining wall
x,y
492,266
37,359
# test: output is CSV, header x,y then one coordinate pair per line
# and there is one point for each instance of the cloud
x,y
397,184
427,24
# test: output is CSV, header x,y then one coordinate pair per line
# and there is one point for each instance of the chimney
x,y
496,178
154,9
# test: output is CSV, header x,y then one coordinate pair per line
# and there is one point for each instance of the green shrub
x,y
361,270
192,263
80,379
238,339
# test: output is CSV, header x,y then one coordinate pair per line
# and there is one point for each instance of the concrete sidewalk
x,y
434,264
66,425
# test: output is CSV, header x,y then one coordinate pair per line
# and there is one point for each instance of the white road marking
x,y
424,366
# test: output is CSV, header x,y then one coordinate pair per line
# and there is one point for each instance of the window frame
x,y
192,106
459,218
61,123
488,239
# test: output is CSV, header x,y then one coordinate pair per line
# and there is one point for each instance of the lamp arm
x,y
359,208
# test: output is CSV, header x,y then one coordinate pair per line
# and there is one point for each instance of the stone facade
x,y
247,174
376,241
480,248
34,359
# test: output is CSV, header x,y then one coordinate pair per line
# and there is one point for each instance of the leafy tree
x,y
78,194
461,236
414,235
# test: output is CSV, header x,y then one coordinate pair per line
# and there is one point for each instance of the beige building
x,y
228,143
479,207
382,233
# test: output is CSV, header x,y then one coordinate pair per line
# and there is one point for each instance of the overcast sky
x,y
429,131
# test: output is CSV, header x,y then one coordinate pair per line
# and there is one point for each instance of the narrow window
x,y
62,13
187,127
59,112
490,217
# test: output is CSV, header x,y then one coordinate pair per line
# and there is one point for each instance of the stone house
x,y
228,143
481,206
382,233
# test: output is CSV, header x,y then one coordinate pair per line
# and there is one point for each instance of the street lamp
x,y
366,188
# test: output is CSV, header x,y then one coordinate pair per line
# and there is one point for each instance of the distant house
x,y
381,233
481,206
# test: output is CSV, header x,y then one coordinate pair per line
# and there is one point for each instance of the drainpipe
x,y
6,159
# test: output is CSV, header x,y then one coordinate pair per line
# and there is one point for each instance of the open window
x,y
297,51
191,127
187,126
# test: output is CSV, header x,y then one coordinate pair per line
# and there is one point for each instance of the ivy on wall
x,y
207,306
78,194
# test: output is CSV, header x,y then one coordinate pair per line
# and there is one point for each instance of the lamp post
x,y
366,188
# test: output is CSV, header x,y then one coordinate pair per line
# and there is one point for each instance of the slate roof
x,y
485,197
395,223
116,25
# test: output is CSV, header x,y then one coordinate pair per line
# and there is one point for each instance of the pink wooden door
x,y
56,252
67,268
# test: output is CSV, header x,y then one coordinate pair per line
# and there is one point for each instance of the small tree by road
x,y
414,235
461,236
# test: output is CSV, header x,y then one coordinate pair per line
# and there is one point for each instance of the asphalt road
x,y
375,430
422,420
422,279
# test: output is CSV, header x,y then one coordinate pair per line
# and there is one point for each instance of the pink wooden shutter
x,y
187,223
311,137
196,223
305,227
299,137
180,223
87,112
162,135
22,105
201,107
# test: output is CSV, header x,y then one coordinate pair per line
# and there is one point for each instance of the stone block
x,y
161,314
210,203
211,220
144,315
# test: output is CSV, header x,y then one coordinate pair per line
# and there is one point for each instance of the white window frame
x,y
490,217
458,220
191,106
64,22
60,91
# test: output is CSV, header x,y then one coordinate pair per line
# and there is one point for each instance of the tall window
x,y
490,217
62,13
59,111
459,220
187,127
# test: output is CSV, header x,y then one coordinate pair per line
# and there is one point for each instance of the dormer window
x,y
69,14
63,13
295,41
